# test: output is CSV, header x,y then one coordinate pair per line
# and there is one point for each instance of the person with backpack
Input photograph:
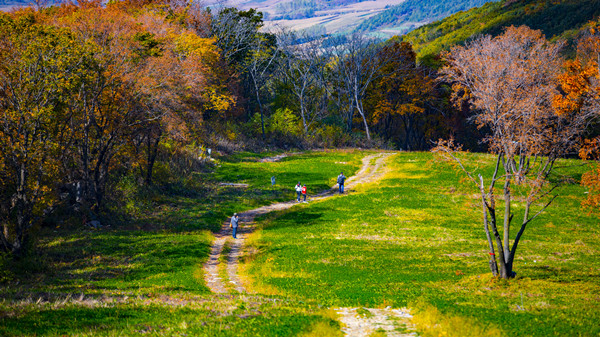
x,y
234,224
340,180
298,189
304,192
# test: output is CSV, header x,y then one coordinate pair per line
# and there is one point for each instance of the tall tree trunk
x,y
262,118
359,107
302,113
152,153
492,254
507,217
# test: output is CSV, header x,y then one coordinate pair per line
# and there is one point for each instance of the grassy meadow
x,y
416,239
413,239
144,274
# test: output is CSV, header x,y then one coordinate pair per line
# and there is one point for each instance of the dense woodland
x,y
92,95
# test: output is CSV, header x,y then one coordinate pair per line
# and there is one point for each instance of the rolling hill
x,y
402,18
383,18
557,19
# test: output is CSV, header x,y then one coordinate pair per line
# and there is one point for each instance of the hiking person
x,y
298,191
304,192
340,180
234,224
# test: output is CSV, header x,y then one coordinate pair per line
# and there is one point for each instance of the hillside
x,y
379,17
557,19
411,14
412,238
320,17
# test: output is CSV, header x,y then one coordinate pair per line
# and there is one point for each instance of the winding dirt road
x,y
221,272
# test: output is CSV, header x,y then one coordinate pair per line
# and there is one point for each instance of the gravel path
x,y
362,323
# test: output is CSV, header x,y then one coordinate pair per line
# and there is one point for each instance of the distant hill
x,y
317,16
556,18
402,18
8,4
383,18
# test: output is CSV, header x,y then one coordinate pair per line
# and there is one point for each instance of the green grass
x,y
157,257
211,203
205,316
414,239
417,237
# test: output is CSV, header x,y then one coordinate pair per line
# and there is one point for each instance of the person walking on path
x,y
340,180
234,224
304,192
298,189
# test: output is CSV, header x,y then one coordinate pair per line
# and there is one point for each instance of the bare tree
x,y
510,83
259,67
358,62
235,32
303,66
38,5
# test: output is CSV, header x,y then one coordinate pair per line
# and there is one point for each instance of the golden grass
x,y
250,250
431,322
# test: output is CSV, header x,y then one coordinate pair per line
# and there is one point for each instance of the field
x,y
146,276
413,239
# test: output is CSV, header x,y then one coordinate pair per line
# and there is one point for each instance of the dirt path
x,y
371,170
395,322
278,157
363,322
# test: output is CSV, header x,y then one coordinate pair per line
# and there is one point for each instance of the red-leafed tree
x,y
579,86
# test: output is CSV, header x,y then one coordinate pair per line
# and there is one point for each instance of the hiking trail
x,y
224,279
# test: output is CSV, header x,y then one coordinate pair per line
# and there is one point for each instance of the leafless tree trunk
x,y
259,66
510,81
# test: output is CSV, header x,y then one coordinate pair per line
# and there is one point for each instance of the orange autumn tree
x,y
579,93
398,101
107,111
41,68
175,84
510,83
151,82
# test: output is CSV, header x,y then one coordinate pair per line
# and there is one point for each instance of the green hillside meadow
x,y
412,239
557,19
416,239
148,278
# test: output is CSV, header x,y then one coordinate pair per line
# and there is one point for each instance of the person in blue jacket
x,y
234,224
340,180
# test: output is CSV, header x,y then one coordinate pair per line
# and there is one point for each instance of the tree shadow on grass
x,y
299,218
155,320
135,261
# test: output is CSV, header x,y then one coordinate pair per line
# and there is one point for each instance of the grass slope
x,y
416,239
413,13
146,276
557,19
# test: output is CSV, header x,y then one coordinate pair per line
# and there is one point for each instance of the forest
x,y
561,19
97,99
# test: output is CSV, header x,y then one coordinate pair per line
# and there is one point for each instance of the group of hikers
x,y
300,192
301,189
